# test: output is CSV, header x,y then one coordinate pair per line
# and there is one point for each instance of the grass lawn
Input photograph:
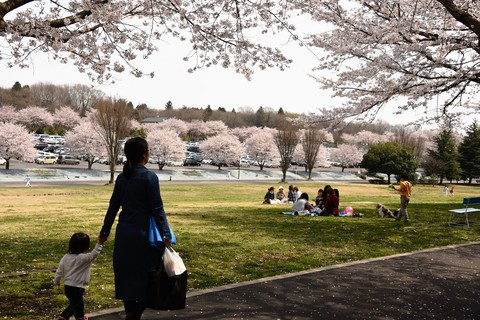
x,y
224,234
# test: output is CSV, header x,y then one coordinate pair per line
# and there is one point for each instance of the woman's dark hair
x,y
304,196
79,243
134,150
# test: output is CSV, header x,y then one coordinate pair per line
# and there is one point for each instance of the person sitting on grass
x,y
269,196
302,206
330,208
292,194
281,196
319,199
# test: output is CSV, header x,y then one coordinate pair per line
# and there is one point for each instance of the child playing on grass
x,y
74,269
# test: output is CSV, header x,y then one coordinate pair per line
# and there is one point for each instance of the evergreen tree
x,y
17,86
260,118
207,113
390,158
446,153
169,105
469,151
280,111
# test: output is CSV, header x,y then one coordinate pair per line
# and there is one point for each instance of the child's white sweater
x,y
75,268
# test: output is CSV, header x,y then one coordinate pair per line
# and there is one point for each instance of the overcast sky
x,y
293,89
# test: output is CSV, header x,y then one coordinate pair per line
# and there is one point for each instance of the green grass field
x,y
224,233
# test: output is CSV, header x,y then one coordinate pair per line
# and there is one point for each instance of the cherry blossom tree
x,y
35,118
417,54
66,117
223,149
347,155
243,132
197,130
323,157
165,145
16,143
298,157
365,138
179,126
103,38
85,142
216,127
8,114
260,146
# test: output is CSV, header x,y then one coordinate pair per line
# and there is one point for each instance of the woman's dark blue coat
x,y
139,198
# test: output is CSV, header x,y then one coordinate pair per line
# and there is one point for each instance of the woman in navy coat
x,y
137,193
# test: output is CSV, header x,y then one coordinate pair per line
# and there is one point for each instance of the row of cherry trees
x,y
223,145
219,143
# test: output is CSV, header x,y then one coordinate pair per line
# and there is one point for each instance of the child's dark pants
x,y
75,296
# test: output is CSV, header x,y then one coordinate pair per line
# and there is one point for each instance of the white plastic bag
x,y
172,263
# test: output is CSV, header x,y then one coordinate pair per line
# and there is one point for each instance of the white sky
x,y
293,89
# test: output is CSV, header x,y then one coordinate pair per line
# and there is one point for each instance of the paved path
x,y
440,283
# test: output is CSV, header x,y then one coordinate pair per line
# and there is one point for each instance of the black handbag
x,y
167,293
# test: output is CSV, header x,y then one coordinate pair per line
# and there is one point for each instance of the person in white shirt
x,y
302,206
74,269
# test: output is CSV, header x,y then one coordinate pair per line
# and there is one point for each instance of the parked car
x,y
2,161
67,159
46,160
191,162
40,145
173,163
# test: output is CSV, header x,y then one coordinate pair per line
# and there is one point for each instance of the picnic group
x,y
326,203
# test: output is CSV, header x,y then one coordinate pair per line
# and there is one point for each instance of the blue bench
x,y
467,209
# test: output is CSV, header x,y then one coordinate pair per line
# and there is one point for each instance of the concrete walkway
x,y
441,283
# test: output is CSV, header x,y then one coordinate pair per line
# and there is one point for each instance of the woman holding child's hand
x,y
137,192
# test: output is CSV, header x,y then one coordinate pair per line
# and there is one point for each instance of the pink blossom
x,y
260,146
8,114
223,149
66,117
165,145
16,143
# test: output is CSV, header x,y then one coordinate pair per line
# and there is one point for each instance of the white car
x,y
2,161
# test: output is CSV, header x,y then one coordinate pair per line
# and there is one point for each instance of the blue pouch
x,y
155,236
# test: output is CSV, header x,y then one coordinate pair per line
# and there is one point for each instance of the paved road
x,y
440,283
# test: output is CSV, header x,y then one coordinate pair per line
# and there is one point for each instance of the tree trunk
x,y
112,172
310,174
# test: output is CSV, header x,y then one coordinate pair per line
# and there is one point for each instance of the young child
x,y
74,269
